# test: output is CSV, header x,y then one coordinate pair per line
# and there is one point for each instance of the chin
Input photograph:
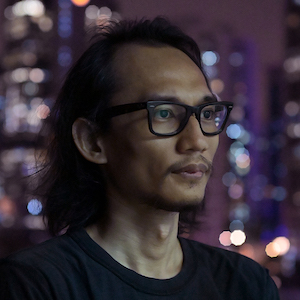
x,y
175,205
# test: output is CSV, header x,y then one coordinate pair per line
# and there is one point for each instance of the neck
x,y
143,239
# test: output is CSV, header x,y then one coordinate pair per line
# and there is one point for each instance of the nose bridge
x,y
195,113
195,123
192,138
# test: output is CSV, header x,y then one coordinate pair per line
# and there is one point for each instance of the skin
x,y
147,180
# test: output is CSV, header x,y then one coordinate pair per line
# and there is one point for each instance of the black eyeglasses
x,y
167,119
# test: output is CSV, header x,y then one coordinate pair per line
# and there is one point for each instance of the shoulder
x,y
231,272
228,268
40,271
218,257
53,254
49,248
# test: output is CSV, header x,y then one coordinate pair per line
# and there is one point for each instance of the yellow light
x,y
272,249
283,243
217,85
80,2
243,161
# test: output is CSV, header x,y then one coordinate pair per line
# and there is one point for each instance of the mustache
x,y
191,160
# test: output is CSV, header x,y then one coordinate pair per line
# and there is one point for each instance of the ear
x,y
90,147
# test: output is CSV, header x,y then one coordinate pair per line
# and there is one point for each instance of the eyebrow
x,y
206,99
210,98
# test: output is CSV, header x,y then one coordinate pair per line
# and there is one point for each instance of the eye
x,y
163,113
207,114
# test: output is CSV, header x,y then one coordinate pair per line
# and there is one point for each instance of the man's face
x,y
167,172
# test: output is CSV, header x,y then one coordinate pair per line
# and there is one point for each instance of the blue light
x,y
34,207
64,4
64,56
236,225
64,30
279,193
209,58
256,193
234,131
229,179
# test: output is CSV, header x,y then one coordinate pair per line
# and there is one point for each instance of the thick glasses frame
x,y
151,105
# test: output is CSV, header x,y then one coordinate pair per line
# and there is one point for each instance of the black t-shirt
x,y
74,267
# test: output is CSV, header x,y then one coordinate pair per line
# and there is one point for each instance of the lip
x,y
192,170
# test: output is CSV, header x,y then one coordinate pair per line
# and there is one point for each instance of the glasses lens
x,y
167,118
212,118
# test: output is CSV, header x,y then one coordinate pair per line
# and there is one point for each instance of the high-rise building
x,y
40,41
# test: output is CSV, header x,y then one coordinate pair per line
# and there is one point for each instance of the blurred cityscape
x,y
253,199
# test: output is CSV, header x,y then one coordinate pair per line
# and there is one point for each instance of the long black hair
x,y
72,187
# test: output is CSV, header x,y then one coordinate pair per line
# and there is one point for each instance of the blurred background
x,y
251,52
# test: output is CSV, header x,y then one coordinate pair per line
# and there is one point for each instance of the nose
x,y
191,139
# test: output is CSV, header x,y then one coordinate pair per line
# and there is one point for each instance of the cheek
x,y
141,161
213,145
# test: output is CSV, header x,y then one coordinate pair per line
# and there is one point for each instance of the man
x,y
135,131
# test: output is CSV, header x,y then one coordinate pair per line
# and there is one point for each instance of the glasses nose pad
x,y
196,113
193,114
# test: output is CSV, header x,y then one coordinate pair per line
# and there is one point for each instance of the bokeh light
x,y
42,111
45,23
293,130
104,13
292,64
234,131
33,8
279,246
65,56
279,193
236,59
210,58
236,225
217,86
237,114
291,108
20,75
37,75
229,179
238,237
80,2
241,212
284,244
30,88
91,12
235,191
224,238
243,161
34,207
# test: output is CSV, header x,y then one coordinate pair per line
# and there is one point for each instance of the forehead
x,y
143,71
